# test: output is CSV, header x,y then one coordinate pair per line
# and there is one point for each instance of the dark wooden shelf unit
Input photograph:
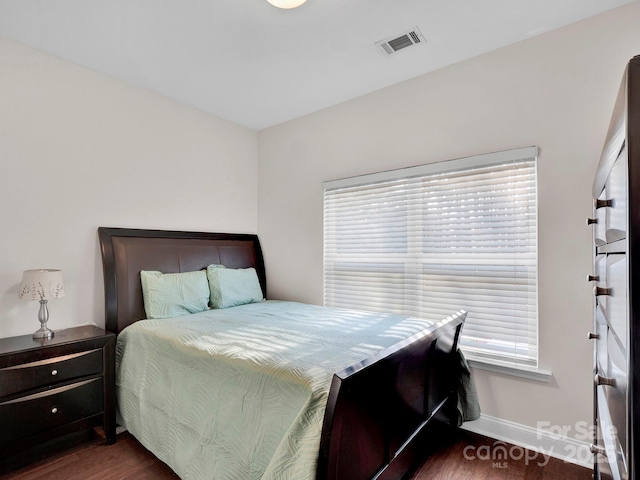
x,y
53,387
616,289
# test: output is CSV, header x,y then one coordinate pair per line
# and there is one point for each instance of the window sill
x,y
529,373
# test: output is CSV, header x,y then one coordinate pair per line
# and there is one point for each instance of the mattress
x,y
240,393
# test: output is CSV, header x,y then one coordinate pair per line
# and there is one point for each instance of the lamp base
x,y
43,332
43,316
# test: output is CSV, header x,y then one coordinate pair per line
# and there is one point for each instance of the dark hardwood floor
x,y
467,456
96,460
127,459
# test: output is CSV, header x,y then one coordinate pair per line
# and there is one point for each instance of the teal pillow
x,y
230,287
174,294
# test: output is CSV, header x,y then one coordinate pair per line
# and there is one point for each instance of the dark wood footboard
x,y
378,408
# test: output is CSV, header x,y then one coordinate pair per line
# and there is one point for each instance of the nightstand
x,y
53,387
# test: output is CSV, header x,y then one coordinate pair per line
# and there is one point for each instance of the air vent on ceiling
x,y
408,39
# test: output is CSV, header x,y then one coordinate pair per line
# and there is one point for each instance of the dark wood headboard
x,y
125,252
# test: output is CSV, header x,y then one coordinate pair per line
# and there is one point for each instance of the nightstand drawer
x,y
28,376
42,411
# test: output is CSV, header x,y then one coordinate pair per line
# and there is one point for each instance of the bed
x,y
327,409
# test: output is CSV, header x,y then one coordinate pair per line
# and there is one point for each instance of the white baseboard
x,y
558,446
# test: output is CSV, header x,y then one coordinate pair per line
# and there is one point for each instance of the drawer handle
x,y
593,336
593,278
54,372
597,203
597,450
597,291
54,410
600,380
591,221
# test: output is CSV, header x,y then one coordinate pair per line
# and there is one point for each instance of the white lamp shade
x,y
42,284
286,3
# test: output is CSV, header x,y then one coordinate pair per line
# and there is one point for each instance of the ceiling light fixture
x,y
286,3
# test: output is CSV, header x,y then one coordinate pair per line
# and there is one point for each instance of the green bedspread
x,y
240,393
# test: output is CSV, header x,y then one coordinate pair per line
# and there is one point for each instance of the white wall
x,y
80,150
555,91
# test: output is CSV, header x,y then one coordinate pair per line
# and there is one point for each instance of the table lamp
x,y
42,285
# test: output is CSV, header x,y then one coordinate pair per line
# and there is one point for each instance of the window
x,y
430,240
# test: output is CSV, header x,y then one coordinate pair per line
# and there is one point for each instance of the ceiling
x,y
257,65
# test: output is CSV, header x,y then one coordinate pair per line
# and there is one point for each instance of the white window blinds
x,y
427,241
